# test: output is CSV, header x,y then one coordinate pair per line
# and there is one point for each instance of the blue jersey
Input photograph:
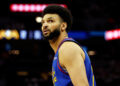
x,y
60,76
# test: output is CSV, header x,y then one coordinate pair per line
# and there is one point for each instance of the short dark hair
x,y
64,13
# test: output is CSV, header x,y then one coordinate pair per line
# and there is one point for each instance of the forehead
x,y
51,16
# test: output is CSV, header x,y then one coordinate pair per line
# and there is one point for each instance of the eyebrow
x,y
48,18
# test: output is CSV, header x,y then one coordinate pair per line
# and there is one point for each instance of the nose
x,y
44,26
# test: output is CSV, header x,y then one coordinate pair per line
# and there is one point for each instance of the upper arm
x,y
72,59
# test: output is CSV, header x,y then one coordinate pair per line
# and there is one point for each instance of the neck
x,y
54,43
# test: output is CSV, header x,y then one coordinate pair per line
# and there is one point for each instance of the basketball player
x,y
71,65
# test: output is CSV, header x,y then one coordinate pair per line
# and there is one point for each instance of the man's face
x,y
51,26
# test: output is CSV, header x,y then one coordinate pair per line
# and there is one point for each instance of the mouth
x,y
45,31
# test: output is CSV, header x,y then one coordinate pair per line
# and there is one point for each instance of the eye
x,y
50,21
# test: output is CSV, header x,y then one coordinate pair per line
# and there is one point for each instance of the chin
x,y
47,37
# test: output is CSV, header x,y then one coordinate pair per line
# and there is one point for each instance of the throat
x,y
56,42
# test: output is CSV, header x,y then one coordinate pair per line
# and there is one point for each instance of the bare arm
x,y
71,57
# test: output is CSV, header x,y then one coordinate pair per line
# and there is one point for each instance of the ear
x,y
63,26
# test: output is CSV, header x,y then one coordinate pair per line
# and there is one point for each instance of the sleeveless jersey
x,y
60,77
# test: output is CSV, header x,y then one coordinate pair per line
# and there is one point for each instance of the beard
x,y
52,35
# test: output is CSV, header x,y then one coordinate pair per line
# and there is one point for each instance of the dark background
x,y
32,65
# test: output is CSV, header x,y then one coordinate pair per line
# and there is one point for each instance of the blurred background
x,y
26,59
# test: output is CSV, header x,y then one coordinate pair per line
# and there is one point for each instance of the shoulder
x,y
69,50
69,47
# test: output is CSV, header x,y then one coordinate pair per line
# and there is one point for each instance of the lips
x,y
45,31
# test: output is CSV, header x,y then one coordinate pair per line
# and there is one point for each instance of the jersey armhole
x,y
58,64
60,68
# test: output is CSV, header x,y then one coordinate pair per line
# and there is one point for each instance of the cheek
x,y
41,28
53,27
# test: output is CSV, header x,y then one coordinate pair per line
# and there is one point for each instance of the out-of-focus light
x,y
14,52
14,7
80,35
22,73
30,7
97,33
23,34
26,7
30,34
112,34
38,19
91,53
15,34
21,7
37,35
7,33
7,47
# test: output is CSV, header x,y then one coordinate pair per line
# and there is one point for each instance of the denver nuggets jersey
x,y
60,76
